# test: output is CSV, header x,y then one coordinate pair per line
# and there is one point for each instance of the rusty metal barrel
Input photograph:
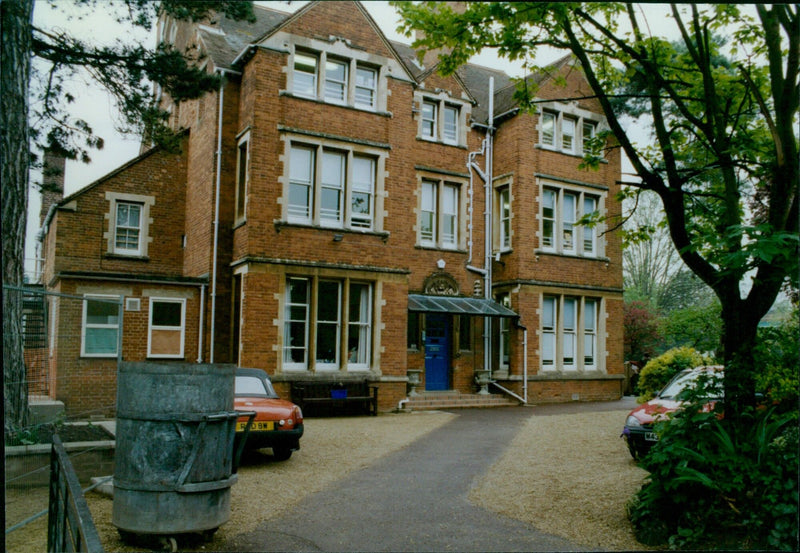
x,y
173,465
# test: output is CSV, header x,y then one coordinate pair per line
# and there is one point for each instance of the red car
x,y
639,433
278,424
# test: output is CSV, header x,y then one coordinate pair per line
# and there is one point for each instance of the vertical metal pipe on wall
x,y
487,246
217,185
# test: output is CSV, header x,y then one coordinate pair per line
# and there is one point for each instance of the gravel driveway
x,y
566,472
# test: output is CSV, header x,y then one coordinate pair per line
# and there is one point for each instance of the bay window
x,y
560,211
569,333
322,316
337,192
344,81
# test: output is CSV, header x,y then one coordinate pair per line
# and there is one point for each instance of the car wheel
x,y
281,453
633,450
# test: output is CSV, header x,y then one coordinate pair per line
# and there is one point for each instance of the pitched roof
x,y
225,38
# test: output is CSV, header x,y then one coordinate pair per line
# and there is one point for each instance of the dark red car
x,y
278,423
639,432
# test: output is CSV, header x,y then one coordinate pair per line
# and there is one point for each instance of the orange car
x,y
278,424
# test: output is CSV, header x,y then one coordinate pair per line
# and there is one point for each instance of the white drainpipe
x,y
487,246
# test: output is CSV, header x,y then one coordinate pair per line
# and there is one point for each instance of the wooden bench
x,y
346,397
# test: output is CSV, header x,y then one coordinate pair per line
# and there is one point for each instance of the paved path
x,y
413,500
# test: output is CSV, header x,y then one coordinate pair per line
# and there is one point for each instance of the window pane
x,y
548,128
590,315
428,214
366,80
335,81
301,165
358,335
505,219
102,312
333,169
569,212
101,341
305,75
167,313
589,206
128,225
588,134
548,349
450,130
567,133
295,334
429,120
570,305
328,301
450,214
301,171
549,313
548,217
361,196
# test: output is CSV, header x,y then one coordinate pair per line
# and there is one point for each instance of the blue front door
x,y
437,352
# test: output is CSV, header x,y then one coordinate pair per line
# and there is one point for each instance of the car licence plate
x,y
256,426
651,436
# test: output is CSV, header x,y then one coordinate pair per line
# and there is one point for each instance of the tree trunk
x,y
739,341
15,63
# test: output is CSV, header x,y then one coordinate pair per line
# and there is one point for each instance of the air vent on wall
x,y
133,304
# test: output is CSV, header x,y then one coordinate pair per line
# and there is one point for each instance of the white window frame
x,y
344,325
118,226
450,117
351,184
307,91
570,326
504,217
85,325
440,120
332,82
435,195
564,129
332,324
591,126
429,116
564,221
359,87
180,328
504,330
288,364
332,182
295,212
362,326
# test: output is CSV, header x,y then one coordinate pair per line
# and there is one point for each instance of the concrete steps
x,y
432,401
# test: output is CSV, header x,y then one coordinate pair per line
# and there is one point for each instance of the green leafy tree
x,y
127,71
723,156
698,326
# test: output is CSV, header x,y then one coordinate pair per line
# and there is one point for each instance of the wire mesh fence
x,y
70,350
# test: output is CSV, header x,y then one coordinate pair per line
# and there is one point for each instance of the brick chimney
x,y
52,182
431,57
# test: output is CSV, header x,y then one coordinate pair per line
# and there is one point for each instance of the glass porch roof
x,y
479,307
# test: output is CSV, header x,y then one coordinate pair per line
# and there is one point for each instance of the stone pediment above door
x,y
440,284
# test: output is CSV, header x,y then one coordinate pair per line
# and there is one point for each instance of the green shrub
x,y
659,371
710,487
777,360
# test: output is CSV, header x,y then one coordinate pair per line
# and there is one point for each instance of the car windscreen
x,y
254,387
684,381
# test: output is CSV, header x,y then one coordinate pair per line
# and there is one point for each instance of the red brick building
x,y
327,219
